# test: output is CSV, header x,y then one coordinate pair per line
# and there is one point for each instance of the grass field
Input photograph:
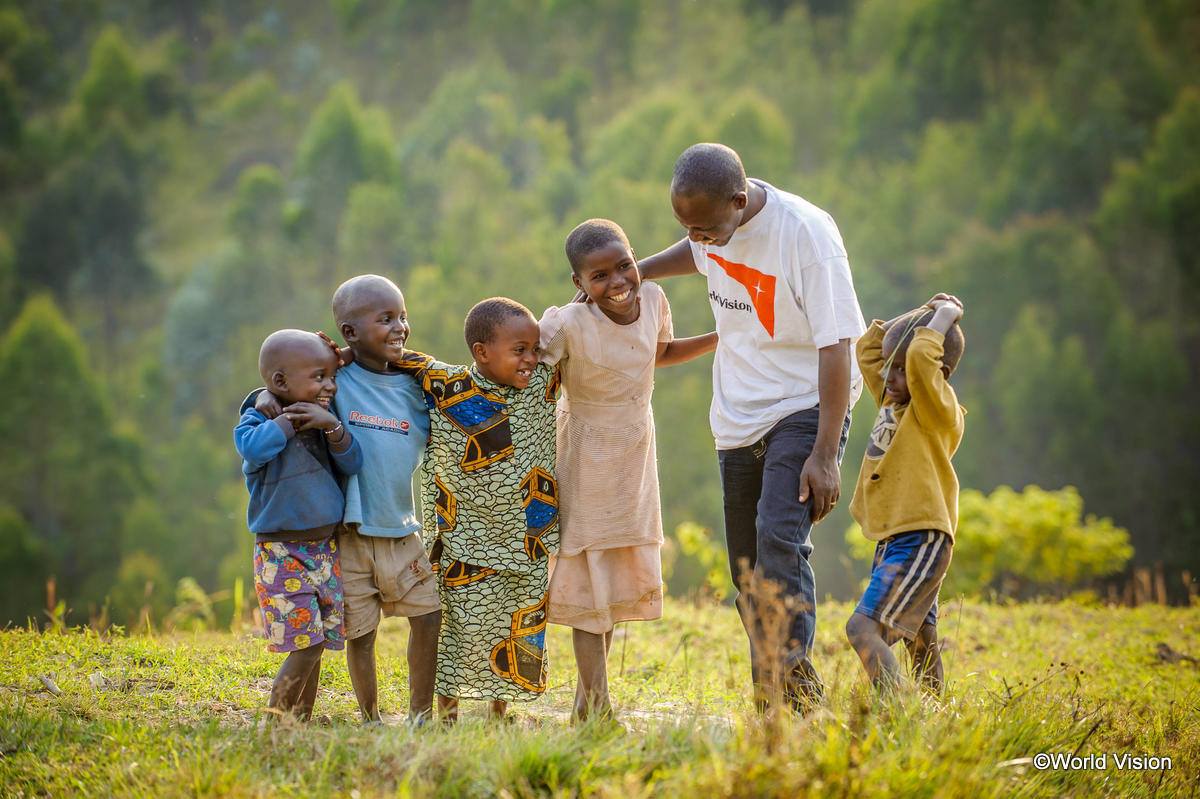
x,y
181,715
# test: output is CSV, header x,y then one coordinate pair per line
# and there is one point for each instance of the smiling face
x,y
511,356
708,220
378,327
609,277
305,372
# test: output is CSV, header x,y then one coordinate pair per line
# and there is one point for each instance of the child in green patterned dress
x,y
491,507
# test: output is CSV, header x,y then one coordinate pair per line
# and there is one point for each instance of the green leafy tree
x,y
945,59
256,214
1148,214
344,144
23,565
1039,381
757,130
628,145
187,518
8,279
28,55
10,121
69,473
112,84
373,234
882,115
82,237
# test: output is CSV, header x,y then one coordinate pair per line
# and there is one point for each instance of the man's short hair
x,y
900,335
589,236
712,170
488,315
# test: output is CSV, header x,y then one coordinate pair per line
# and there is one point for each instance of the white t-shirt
x,y
780,290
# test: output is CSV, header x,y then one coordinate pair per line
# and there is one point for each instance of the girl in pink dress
x,y
608,567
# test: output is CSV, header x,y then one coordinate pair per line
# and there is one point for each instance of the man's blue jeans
x,y
767,529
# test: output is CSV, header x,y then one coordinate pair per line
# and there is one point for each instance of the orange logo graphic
x,y
760,287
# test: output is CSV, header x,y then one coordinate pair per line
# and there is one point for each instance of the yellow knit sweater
x,y
906,481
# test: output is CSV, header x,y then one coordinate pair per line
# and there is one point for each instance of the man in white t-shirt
x,y
783,382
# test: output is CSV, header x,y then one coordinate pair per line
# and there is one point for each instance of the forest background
x,y
179,179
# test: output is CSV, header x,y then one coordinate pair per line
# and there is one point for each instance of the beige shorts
x,y
388,575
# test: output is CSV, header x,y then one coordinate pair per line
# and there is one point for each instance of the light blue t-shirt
x,y
387,415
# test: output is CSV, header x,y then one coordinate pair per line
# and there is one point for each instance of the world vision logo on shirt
x,y
385,423
760,286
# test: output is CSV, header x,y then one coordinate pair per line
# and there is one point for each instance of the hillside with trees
x,y
179,179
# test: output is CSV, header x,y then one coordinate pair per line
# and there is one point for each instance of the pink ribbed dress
x,y
609,566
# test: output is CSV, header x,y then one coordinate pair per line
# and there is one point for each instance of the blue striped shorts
x,y
905,577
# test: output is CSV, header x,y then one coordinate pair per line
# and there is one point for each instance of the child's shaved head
x,y
900,334
359,294
590,236
488,315
289,349
708,169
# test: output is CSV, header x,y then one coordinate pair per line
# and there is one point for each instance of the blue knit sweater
x,y
291,477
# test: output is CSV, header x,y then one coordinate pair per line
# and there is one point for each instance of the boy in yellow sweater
x,y
907,492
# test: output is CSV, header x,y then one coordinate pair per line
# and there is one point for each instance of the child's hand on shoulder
x,y
344,355
267,404
309,415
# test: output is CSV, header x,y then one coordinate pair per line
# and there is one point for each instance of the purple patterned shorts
x,y
299,587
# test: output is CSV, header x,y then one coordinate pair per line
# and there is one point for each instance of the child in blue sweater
x,y
291,464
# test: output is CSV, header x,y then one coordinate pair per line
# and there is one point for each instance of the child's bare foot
x,y
448,709
295,687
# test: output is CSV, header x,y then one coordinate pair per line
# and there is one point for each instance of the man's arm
x,y
682,350
674,261
820,478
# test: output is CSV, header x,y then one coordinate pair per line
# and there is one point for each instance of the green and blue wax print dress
x,y
490,513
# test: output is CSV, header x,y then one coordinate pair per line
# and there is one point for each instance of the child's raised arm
x,y
869,350
682,350
933,400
